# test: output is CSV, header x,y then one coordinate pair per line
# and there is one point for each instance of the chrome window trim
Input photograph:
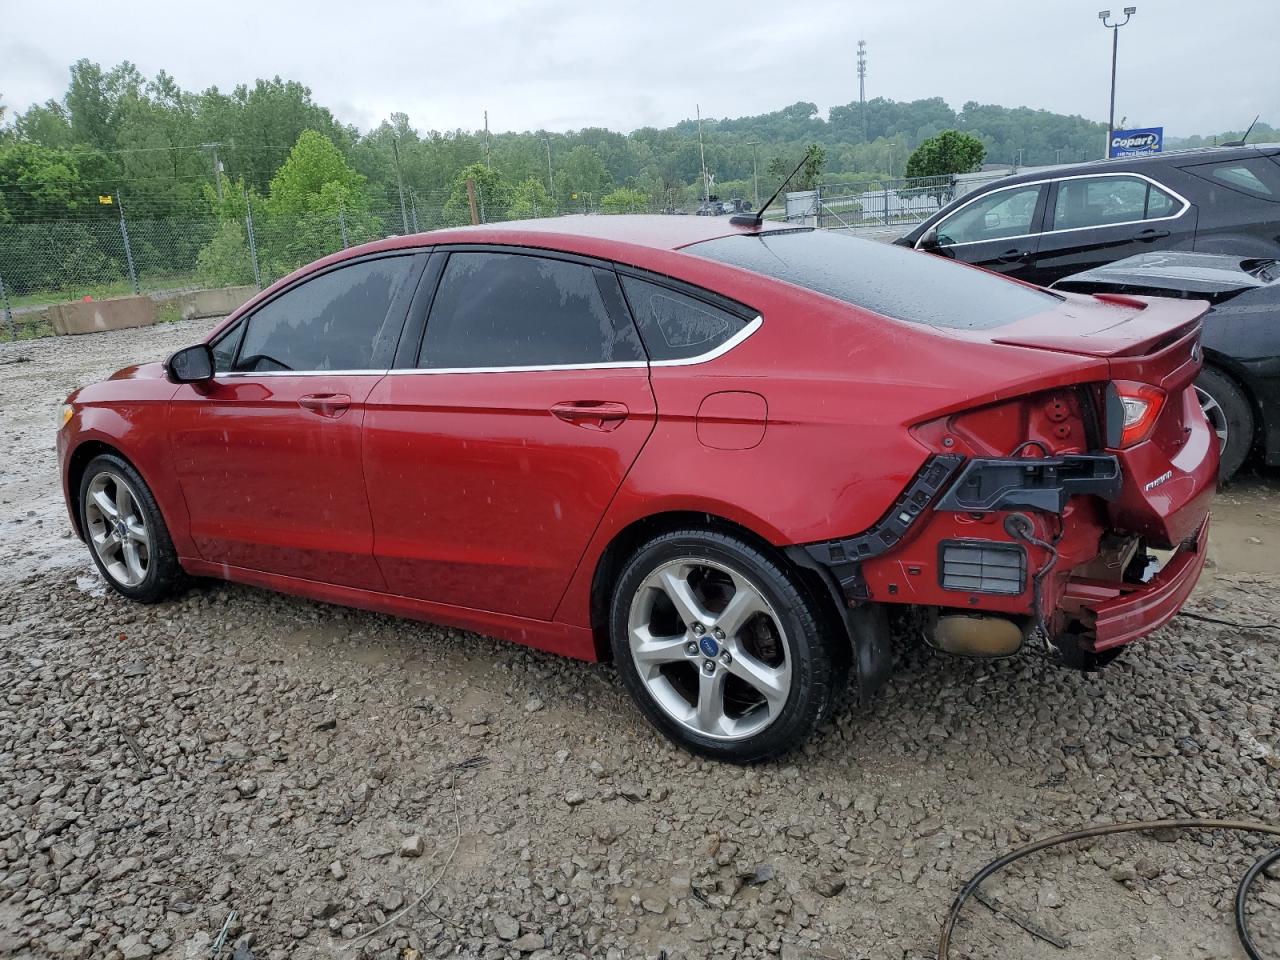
x,y
719,351
244,374
1186,204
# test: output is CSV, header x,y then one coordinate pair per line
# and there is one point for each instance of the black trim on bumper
x,y
1043,483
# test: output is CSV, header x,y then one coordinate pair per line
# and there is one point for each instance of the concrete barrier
x,y
93,316
218,302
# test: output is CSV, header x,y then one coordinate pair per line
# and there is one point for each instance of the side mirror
x,y
930,239
190,364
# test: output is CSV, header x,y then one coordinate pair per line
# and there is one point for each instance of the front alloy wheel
x,y
117,529
723,646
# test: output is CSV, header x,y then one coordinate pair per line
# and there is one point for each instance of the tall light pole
x,y
755,174
551,179
706,187
892,146
1104,16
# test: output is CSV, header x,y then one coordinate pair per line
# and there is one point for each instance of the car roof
x,y
1175,158
653,231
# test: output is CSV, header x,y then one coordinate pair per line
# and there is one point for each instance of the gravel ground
x,y
316,770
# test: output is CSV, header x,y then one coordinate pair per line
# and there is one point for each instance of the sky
x,y
1187,65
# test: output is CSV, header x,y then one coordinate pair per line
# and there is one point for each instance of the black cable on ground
x,y
1226,623
1242,892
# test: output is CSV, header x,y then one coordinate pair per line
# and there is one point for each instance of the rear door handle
x,y
592,414
332,405
1015,256
1146,236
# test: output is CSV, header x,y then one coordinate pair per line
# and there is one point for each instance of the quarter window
x,y
675,326
1258,177
224,348
1001,214
515,310
1103,201
334,321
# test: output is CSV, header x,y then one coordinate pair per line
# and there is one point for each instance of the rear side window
x,y
514,310
1102,201
882,277
674,326
1257,177
331,322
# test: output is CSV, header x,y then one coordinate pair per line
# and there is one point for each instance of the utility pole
x,y
404,216
551,177
486,139
217,167
1103,15
755,174
862,86
706,189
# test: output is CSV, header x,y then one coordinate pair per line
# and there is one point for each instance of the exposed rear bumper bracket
x,y
1044,483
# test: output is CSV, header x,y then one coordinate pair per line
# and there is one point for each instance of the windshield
x,y
881,277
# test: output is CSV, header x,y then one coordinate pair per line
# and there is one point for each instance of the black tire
x,y
1237,418
816,652
164,576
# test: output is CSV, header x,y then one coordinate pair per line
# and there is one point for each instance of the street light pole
x,y
1103,15
755,175
551,178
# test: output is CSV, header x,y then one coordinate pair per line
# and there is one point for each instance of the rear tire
x,y
126,533
1231,417
723,647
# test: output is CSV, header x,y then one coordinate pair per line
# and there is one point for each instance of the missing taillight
x,y
1139,408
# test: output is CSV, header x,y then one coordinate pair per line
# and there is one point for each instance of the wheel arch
x,y
622,547
77,461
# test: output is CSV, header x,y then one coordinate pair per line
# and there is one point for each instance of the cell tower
x,y
862,86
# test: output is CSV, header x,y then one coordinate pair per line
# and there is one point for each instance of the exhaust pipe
x,y
989,636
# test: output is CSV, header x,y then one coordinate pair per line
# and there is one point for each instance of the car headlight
x,y
65,416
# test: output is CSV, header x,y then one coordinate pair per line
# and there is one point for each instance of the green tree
x,y
947,153
493,195
530,199
315,176
625,200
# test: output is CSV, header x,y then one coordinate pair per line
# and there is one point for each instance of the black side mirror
x,y
190,364
930,239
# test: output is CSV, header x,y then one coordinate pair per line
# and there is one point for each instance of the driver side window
x,y
1003,213
330,322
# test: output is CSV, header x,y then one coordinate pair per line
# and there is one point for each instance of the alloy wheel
x,y
709,648
117,529
1216,416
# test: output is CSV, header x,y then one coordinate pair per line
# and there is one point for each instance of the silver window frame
x,y
1186,205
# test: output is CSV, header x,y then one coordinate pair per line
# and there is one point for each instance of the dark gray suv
x,y
1048,224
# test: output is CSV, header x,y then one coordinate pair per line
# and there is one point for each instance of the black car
x,y
1046,225
1239,386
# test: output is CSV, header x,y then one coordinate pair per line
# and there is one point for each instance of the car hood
x,y
1212,277
140,371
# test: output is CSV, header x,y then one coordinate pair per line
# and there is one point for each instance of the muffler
x,y
985,635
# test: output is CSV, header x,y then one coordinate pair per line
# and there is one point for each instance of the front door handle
x,y
1015,256
331,405
1146,236
592,414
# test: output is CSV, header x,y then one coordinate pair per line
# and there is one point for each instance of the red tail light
x,y
1142,405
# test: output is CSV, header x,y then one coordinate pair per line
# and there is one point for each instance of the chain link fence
x,y
123,255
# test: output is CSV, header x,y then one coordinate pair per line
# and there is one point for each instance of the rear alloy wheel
x,y
1229,414
722,647
124,530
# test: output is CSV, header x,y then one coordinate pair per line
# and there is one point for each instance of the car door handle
x,y
1146,236
1014,256
332,405
592,414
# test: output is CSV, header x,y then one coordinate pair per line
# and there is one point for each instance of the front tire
x,y
125,532
723,648
1230,415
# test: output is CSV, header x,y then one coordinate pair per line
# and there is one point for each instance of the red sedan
x,y
718,455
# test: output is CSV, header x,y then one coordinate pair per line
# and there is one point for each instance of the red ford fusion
x,y
719,455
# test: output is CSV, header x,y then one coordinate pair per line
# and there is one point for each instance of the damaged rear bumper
x,y
1120,613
